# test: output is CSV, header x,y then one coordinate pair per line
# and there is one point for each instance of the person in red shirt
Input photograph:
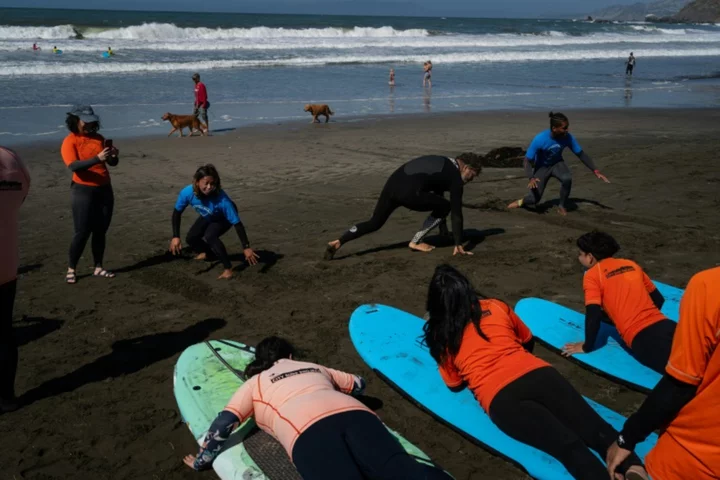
x,y
201,101
619,292
86,153
311,411
684,403
482,344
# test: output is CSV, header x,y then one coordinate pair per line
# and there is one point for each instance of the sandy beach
x,y
97,358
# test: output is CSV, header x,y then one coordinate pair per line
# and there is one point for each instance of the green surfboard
x,y
206,376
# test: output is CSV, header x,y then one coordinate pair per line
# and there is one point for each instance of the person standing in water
x,y
218,213
619,292
392,78
201,101
427,77
544,160
630,65
481,344
14,186
684,403
419,185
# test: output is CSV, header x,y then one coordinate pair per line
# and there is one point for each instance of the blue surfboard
x,y
671,307
555,325
389,341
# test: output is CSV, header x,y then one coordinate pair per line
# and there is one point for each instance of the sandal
x,y
103,273
70,277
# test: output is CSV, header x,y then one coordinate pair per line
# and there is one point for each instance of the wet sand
x,y
96,358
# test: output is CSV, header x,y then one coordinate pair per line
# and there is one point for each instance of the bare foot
x,y
331,249
201,256
228,273
421,247
562,211
515,204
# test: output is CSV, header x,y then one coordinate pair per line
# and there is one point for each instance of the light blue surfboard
x,y
389,340
555,325
671,307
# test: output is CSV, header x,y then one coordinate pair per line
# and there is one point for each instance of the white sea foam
x,y
64,68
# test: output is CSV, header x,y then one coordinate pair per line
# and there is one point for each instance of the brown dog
x,y
319,110
185,121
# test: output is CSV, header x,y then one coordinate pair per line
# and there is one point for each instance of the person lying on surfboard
x,y
218,213
619,292
311,411
544,160
481,344
684,403
419,186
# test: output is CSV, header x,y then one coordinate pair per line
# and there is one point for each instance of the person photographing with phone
x,y
87,154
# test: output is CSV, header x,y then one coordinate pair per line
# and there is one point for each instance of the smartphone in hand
x,y
108,143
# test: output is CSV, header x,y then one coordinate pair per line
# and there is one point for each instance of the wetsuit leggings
x,y
652,345
395,195
204,237
92,209
543,410
560,171
355,445
629,69
8,346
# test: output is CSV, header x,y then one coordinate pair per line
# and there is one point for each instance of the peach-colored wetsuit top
x,y
290,396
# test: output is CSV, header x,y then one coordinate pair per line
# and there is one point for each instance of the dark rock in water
x,y
504,157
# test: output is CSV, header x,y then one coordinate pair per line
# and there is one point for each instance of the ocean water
x,y
264,68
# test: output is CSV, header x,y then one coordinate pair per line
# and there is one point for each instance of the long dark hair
x,y
71,121
267,352
602,245
208,170
557,119
452,303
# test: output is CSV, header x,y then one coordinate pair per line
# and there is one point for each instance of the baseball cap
x,y
84,113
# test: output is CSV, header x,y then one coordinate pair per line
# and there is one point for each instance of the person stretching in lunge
x,y
217,214
544,160
419,185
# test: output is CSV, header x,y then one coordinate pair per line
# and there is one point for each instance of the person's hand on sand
x,y
189,460
601,176
459,250
615,456
533,183
227,273
251,256
175,246
106,152
572,348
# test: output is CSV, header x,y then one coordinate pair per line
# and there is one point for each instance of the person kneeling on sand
x,y
481,344
419,185
217,214
311,411
544,160
619,292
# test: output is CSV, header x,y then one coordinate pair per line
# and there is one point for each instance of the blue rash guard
x,y
546,151
214,207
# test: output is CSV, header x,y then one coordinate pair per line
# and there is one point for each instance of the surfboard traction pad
x,y
270,456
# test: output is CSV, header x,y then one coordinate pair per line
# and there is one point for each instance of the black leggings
x,y
355,445
560,171
395,194
204,236
652,345
8,346
92,209
543,410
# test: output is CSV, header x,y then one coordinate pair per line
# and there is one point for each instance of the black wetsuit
x,y
419,185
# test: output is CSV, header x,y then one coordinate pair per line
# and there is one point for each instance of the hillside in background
x,y
638,11
700,11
